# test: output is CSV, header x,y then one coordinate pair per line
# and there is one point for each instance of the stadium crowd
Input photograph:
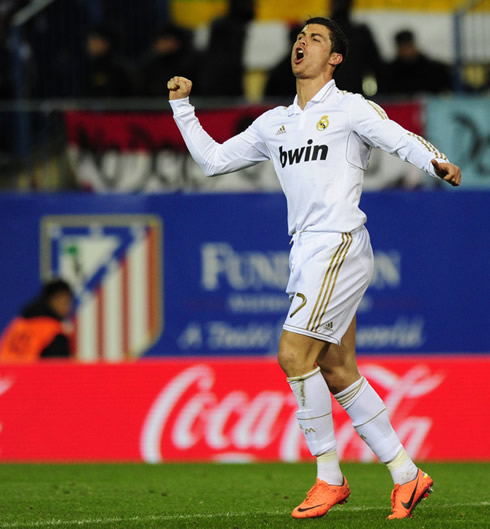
x,y
108,53
119,55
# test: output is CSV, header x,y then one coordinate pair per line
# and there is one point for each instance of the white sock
x,y
328,469
402,468
315,421
372,423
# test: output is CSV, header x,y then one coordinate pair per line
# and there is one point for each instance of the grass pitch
x,y
216,496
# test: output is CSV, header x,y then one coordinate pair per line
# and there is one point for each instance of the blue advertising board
x,y
193,274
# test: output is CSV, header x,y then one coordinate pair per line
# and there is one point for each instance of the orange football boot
x,y
321,498
404,498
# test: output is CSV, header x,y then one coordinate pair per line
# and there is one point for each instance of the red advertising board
x,y
130,151
150,131
229,409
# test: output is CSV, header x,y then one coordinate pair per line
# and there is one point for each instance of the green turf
x,y
219,496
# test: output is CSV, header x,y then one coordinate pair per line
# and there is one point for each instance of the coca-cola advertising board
x,y
229,410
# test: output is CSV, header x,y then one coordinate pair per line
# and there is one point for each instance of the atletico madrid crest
x,y
114,264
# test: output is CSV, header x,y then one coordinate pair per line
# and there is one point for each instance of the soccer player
x,y
320,148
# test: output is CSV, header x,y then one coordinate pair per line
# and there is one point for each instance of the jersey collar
x,y
317,98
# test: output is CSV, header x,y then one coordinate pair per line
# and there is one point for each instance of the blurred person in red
x,y
38,331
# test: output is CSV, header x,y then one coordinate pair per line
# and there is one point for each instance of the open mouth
x,y
299,55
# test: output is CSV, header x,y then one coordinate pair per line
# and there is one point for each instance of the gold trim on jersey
x,y
428,146
378,109
329,282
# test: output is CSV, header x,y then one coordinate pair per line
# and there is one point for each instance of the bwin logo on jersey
x,y
310,153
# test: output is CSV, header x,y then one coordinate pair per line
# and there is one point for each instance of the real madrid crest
x,y
322,124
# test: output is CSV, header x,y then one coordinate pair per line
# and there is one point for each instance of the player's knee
x,y
289,362
294,363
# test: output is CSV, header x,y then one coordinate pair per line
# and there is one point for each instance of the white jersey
x,y
319,153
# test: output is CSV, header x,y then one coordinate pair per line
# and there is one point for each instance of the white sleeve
x,y
372,124
240,151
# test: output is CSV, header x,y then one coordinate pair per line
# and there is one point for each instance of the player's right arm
x,y
243,150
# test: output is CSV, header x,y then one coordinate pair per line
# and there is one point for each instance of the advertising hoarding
x,y
205,274
229,410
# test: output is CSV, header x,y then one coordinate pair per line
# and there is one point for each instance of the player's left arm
x,y
373,125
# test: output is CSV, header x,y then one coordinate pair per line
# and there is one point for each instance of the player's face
x,y
311,51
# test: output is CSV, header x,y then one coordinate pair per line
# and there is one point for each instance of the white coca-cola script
x,y
193,418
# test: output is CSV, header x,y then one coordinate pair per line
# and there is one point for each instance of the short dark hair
x,y
405,36
340,44
55,286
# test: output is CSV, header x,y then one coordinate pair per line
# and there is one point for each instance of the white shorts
x,y
329,273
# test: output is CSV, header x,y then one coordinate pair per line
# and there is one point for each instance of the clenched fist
x,y
179,87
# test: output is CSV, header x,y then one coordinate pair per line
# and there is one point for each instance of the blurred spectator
x,y
38,331
172,52
108,74
53,50
412,72
7,10
363,62
6,91
281,82
223,67
139,20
